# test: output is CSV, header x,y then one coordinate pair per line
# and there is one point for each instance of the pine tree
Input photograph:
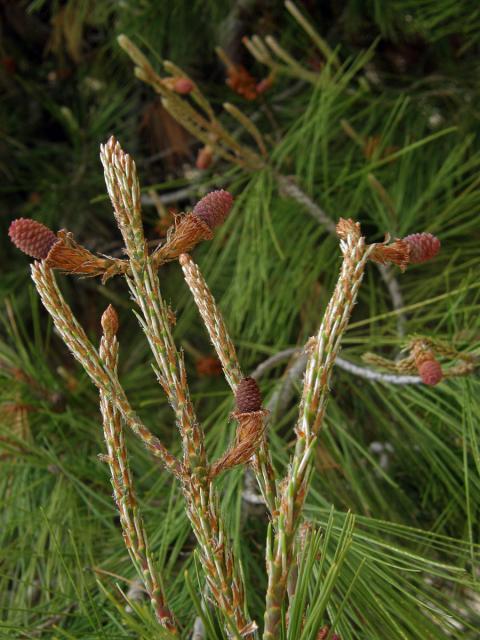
x,y
307,115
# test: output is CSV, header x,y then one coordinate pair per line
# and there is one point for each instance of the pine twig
x,y
125,497
323,352
248,124
346,365
202,503
220,338
124,190
213,320
208,129
319,42
290,188
85,353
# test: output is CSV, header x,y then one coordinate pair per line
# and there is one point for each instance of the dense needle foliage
x,y
391,140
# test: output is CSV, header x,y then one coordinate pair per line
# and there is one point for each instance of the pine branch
x,y
124,190
125,497
220,338
202,503
85,353
316,387
362,372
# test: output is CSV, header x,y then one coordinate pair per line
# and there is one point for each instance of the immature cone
x,y
251,426
196,226
214,207
32,237
183,86
323,633
180,85
429,369
189,231
430,372
248,396
423,247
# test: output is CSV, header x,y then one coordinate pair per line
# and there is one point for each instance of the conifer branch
x,y
316,387
124,190
213,320
225,349
134,533
346,365
85,353
208,129
202,502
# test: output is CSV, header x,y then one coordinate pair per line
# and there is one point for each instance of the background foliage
x,y
67,86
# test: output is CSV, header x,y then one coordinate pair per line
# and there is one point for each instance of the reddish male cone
x,y
32,237
214,207
423,247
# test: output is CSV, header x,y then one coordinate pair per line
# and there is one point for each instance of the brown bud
x,y
179,84
248,396
423,247
109,322
214,207
204,158
323,633
32,237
